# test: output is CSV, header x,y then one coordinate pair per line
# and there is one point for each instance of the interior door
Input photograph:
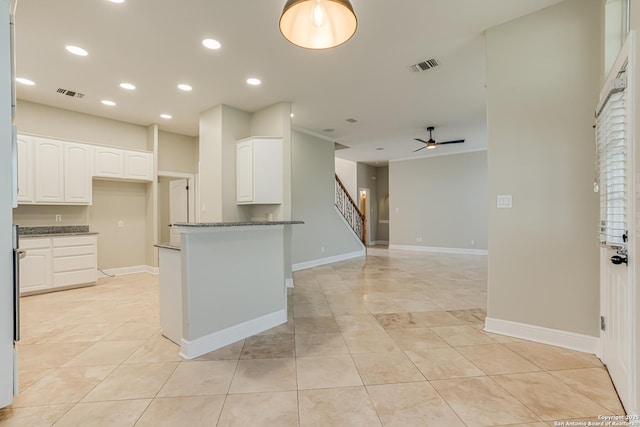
x,y
178,206
617,221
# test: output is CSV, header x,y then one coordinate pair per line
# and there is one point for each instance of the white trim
x,y
404,159
460,251
383,221
328,260
219,339
382,242
288,282
555,337
134,269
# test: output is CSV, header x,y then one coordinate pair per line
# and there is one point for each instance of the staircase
x,y
349,210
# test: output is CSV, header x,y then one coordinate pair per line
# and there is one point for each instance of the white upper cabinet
x,y
138,165
77,173
25,170
123,164
49,170
109,162
259,177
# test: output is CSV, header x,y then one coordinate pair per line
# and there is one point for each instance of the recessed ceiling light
x,y
211,44
165,116
184,87
253,81
108,102
76,50
291,114
127,86
25,81
116,1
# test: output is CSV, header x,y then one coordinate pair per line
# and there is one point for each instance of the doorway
x,y
364,204
176,203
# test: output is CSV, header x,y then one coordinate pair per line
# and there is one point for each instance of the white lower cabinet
x,y
36,266
57,262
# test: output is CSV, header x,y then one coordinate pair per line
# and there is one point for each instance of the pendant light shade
x,y
318,24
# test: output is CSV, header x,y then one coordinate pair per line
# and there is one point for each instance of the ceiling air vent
x,y
424,65
71,93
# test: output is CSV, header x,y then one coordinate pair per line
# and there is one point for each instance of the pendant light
x,y
318,24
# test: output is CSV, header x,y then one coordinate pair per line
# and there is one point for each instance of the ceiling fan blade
x,y
420,149
421,140
457,141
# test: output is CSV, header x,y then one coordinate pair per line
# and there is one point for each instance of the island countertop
x,y
235,224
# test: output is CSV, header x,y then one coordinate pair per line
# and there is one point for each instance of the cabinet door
x,y
109,162
36,270
138,166
25,170
77,173
267,171
48,171
244,172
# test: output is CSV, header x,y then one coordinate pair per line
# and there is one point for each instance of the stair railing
x,y
349,210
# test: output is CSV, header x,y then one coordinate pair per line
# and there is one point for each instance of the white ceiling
x,y
156,44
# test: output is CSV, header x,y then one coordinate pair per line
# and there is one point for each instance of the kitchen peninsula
x,y
226,282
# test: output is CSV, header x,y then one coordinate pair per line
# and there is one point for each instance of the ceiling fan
x,y
432,144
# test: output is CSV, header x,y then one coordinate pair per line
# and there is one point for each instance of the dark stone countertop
x,y
54,231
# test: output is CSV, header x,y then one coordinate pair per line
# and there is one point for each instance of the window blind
x,y
612,164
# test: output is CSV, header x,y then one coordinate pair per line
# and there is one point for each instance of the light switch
x,y
504,201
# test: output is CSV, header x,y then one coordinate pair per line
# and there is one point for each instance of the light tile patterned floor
x,y
395,340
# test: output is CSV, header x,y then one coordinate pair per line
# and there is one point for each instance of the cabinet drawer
x,y
71,263
74,277
74,250
73,241
44,243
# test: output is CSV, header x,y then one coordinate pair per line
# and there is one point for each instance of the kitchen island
x,y
226,282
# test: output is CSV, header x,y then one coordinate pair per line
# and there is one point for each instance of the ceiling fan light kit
x,y
431,144
318,24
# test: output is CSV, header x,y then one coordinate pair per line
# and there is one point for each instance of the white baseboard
x,y
459,251
556,337
208,343
288,283
121,271
379,242
328,260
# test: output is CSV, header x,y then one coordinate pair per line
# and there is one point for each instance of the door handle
x,y
617,260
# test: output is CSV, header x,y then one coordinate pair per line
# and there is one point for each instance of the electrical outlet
x,y
322,249
473,242
120,224
419,239
58,218
397,210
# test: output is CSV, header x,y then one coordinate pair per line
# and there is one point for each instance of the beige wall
x,y
235,126
115,201
543,74
442,200
210,161
177,153
42,120
313,196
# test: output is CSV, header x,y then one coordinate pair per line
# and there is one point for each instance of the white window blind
x,y
612,165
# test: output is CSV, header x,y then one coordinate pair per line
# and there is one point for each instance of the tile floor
x,y
395,340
